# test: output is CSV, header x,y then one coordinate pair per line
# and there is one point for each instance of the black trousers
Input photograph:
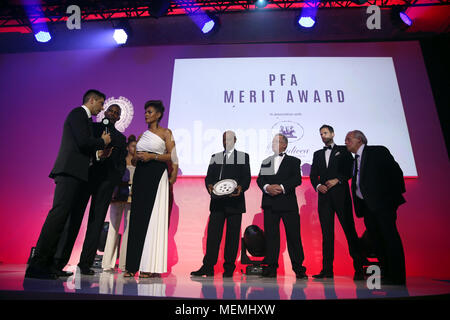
x,y
66,200
291,220
338,203
101,197
214,235
382,228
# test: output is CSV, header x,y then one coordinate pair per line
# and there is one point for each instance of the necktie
x,y
355,173
327,147
281,154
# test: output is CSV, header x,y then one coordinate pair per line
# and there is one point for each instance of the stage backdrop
x,y
37,91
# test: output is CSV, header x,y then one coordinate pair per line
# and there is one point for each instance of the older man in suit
x,y
377,188
280,174
229,164
70,173
330,171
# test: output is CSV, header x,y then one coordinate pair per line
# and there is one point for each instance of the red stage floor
x,y
241,287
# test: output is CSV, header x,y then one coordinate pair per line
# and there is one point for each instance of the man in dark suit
x,y
70,173
104,175
330,171
229,164
377,188
280,174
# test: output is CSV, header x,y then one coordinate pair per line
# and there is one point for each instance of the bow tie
x,y
281,154
327,147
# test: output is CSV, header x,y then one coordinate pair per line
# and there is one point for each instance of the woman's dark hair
x,y
131,138
158,105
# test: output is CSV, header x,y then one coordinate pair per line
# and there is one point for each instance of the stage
x,y
108,285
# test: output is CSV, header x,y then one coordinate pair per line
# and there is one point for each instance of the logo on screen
x,y
292,130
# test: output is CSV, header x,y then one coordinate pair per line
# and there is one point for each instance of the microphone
x,y
105,122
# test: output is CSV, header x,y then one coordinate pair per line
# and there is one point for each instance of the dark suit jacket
x,y
113,167
237,168
381,180
289,175
340,166
77,145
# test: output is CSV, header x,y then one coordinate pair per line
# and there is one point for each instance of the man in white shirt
x,y
377,188
228,164
280,174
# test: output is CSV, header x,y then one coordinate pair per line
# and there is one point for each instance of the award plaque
x,y
224,187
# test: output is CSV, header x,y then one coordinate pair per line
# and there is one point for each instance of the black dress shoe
x,y
323,275
269,273
64,274
203,271
87,271
60,272
392,282
40,273
301,275
228,274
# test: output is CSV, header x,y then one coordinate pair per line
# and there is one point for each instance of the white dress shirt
x,y
276,165
327,160
89,114
226,160
227,155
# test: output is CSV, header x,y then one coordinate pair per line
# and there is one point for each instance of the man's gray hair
x,y
360,135
285,139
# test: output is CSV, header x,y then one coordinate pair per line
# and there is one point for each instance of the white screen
x,y
259,97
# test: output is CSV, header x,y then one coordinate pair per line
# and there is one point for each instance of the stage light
x,y
208,26
307,17
400,18
122,31
43,36
207,22
261,3
405,18
306,22
121,36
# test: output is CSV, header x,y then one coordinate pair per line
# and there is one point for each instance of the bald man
x,y
228,164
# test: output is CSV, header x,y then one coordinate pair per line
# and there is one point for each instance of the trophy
x,y
224,188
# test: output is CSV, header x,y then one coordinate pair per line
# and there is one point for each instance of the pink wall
x,y
37,90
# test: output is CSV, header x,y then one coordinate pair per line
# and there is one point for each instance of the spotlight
x,y
208,26
306,22
261,3
253,242
121,36
122,31
207,22
307,17
407,20
43,36
400,18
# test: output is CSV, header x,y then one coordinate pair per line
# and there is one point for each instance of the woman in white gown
x,y
148,233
